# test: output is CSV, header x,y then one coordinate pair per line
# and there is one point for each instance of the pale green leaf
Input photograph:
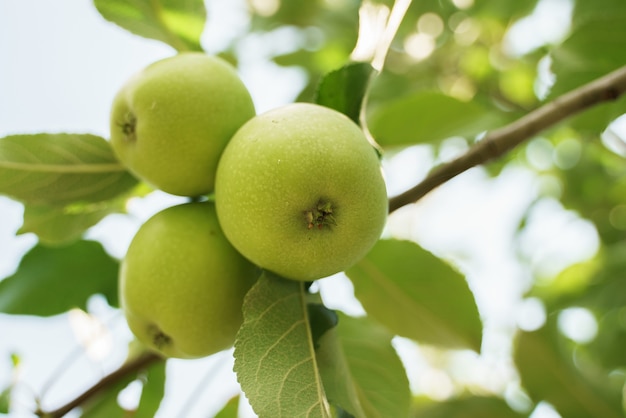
x,y
417,295
57,169
59,225
50,281
274,352
361,370
179,23
547,375
428,117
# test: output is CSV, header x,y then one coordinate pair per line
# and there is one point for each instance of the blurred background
x,y
504,226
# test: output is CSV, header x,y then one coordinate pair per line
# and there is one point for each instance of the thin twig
x,y
498,142
132,366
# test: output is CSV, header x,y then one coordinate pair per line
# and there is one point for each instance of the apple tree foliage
x,y
296,357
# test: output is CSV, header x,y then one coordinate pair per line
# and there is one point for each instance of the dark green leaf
x,y
230,410
56,225
362,372
152,391
345,88
470,407
175,22
274,352
428,117
57,169
50,281
321,319
547,375
417,295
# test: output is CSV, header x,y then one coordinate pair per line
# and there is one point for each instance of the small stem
x,y
396,16
499,141
132,366
381,51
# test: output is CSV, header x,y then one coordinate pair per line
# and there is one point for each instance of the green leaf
x,y
361,371
547,375
5,395
321,320
274,352
428,117
105,405
345,88
506,10
152,391
230,410
57,169
60,225
5,399
469,407
177,23
594,48
50,281
417,295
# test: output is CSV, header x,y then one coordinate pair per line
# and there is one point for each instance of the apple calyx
x,y
321,215
159,338
128,126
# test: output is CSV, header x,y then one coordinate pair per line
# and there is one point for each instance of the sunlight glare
x,y
91,334
372,23
578,324
436,384
547,24
430,24
463,4
265,8
419,45
531,314
466,32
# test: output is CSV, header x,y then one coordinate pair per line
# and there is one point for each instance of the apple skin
x,y
299,191
171,121
182,284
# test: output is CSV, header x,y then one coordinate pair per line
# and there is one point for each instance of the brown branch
x,y
498,142
132,366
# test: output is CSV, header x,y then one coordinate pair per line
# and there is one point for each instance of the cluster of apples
x,y
297,190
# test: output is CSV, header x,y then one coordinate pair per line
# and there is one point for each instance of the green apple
x,y
171,121
182,284
299,191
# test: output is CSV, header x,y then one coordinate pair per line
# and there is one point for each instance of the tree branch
x,y
499,141
132,366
